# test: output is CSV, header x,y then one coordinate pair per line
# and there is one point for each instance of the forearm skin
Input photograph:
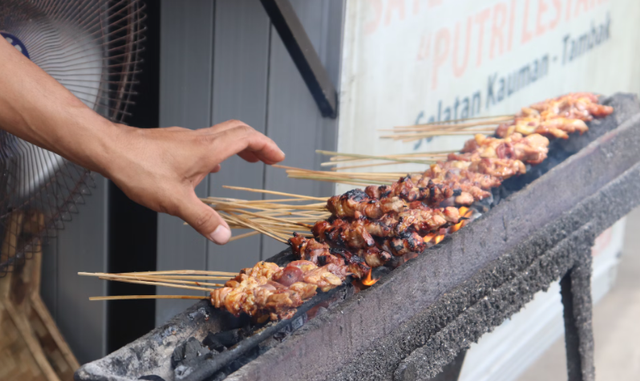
x,y
38,109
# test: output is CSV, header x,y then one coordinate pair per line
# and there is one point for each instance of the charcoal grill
x,y
423,316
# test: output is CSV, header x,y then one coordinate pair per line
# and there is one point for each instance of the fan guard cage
x,y
91,47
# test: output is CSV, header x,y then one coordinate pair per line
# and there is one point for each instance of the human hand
x,y
159,168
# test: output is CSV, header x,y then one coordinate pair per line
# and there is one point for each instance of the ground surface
x,y
616,324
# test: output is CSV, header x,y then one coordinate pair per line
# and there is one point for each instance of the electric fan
x,y
92,48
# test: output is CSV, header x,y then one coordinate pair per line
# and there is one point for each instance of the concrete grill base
x,y
422,315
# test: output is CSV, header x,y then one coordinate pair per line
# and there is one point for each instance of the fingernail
x,y
221,235
282,152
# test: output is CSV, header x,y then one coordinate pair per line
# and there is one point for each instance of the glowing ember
x,y
438,239
368,281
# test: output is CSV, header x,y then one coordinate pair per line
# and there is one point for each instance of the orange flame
x,y
457,226
368,281
464,212
438,239
427,238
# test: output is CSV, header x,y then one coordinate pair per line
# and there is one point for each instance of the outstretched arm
x,y
158,168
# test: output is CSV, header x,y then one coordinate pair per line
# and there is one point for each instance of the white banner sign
x,y
416,61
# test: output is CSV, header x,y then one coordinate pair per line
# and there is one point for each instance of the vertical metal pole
x,y
304,55
575,289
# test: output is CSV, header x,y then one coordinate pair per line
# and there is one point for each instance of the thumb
x,y
205,220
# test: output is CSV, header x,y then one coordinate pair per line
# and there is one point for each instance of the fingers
x,y
205,220
243,140
249,156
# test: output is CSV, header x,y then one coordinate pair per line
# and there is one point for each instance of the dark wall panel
x,y
132,227
185,97
240,70
294,121
83,246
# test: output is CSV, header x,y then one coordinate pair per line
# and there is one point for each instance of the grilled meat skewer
x,y
531,149
370,226
267,289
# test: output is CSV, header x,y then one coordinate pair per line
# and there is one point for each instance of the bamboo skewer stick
x,y
340,180
341,157
251,225
349,158
167,283
245,235
215,200
375,157
274,192
443,127
472,118
269,207
334,163
159,284
464,123
192,277
336,169
436,133
276,219
147,278
139,297
181,272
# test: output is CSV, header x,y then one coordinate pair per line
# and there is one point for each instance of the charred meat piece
x,y
374,257
419,218
355,200
407,242
343,233
313,251
470,186
339,261
394,197
355,264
